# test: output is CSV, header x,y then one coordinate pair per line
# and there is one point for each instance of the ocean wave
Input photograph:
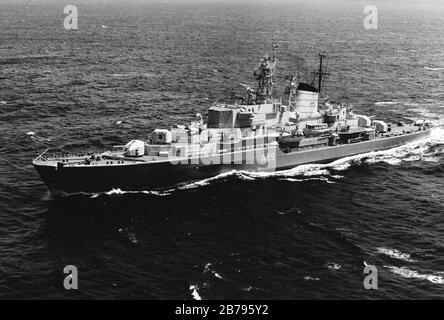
x,y
33,135
291,180
132,74
129,235
207,269
194,292
396,254
408,273
433,69
306,172
418,150
387,103
425,113
208,181
333,266
161,193
119,191
424,110
321,178
26,58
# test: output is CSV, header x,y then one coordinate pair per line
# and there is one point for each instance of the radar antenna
x,y
264,76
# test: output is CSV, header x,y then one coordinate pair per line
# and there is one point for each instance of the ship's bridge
x,y
243,116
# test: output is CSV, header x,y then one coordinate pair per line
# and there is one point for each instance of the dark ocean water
x,y
302,233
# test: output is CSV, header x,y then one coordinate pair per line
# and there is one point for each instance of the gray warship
x,y
257,133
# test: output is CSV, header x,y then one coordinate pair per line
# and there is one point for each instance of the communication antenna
x,y
275,46
322,73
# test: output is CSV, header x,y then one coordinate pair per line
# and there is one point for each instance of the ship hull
x,y
330,154
160,175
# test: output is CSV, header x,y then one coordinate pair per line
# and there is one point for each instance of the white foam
x,y
119,191
433,69
132,74
307,278
413,151
130,235
208,269
157,193
425,112
408,273
292,180
115,191
205,182
396,254
386,103
326,180
334,266
194,292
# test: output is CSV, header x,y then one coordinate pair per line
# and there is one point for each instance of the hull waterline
x,y
161,175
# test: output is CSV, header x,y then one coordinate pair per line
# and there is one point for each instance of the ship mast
x,y
290,91
264,77
321,74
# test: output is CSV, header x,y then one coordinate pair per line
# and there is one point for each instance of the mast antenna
x,y
275,46
321,74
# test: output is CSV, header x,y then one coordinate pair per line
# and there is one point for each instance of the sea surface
x,y
305,233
